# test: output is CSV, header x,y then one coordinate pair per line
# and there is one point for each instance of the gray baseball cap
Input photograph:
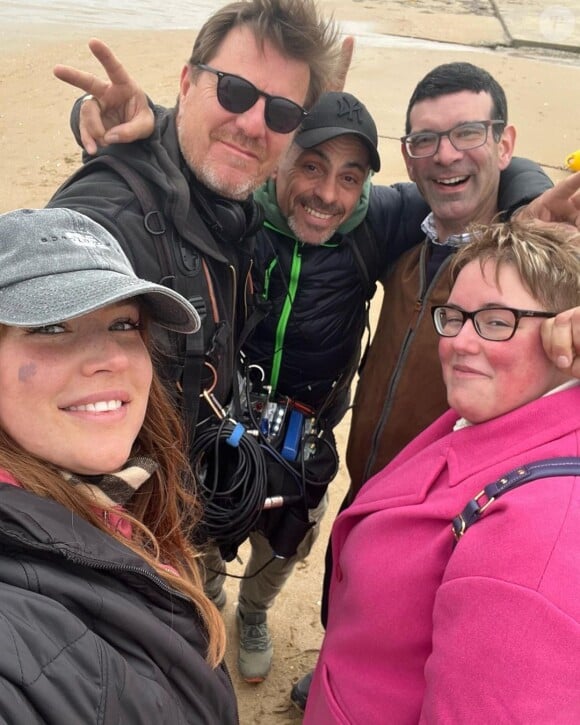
x,y
56,264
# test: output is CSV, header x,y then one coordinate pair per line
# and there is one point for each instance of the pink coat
x,y
486,632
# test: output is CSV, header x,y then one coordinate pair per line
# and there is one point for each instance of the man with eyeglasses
x,y
457,141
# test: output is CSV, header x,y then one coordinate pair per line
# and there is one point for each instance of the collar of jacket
x,y
266,196
28,521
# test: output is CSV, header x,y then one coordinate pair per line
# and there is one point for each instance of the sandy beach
x,y
38,153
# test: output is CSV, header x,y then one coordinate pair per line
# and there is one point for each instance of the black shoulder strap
x,y
365,251
153,219
523,474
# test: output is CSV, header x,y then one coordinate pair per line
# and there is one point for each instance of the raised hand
x,y
561,339
560,204
118,111
345,59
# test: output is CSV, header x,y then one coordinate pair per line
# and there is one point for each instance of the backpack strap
x,y
153,219
366,254
566,466
367,257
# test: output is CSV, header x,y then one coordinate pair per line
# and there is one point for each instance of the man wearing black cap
x,y
323,245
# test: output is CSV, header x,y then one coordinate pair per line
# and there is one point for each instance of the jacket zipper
x,y
285,316
417,314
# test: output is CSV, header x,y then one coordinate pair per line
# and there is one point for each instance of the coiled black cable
x,y
231,472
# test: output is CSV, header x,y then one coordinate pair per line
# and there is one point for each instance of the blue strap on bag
x,y
566,466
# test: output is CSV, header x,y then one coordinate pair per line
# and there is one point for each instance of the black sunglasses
x,y
237,95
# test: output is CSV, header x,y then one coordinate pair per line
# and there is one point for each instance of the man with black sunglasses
x,y
181,204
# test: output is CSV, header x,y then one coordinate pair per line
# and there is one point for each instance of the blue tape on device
x,y
235,436
293,436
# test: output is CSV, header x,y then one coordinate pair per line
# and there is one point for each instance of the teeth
x,y
455,180
317,214
100,407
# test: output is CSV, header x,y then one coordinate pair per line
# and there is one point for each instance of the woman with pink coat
x,y
486,629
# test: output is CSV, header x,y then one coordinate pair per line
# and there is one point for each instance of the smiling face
x,y
485,379
75,394
461,187
318,189
234,153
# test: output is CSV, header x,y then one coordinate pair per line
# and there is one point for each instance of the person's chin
x,y
231,181
311,231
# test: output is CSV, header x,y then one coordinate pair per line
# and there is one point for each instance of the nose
x,y
326,189
104,354
253,121
447,153
467,340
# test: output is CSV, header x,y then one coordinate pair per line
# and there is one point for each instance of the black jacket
x,y
317,294
90,634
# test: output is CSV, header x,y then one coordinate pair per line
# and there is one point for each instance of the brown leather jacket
x,y
400,390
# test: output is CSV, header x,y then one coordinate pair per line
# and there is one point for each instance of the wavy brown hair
x,y
294,27
163,513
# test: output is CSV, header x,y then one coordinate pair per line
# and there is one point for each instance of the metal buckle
x,y
477,513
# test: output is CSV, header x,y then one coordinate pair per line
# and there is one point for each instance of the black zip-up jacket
x,y
89,633
309,344
217,271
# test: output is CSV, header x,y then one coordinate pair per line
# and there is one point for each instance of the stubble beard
x,y
218,183
321,238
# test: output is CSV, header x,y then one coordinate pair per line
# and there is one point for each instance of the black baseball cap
x,y
337,114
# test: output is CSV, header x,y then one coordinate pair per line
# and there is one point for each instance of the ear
x,y
408,162
506,146
185,81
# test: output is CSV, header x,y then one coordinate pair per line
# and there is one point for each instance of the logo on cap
x,y
346,108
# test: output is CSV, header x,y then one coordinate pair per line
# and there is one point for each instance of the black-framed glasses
x,y
497,324
463,137
237,95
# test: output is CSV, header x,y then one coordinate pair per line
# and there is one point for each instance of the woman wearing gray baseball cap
x,y
104,618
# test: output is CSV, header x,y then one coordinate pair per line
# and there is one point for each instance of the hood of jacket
x,y
266,197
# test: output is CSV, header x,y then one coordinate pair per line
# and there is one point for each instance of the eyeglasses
x,y
237,95
463,137
497,324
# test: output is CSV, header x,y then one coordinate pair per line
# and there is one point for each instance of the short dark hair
x,y
457,77
294,27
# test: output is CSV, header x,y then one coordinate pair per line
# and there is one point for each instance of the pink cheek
x,y
26,372
444,349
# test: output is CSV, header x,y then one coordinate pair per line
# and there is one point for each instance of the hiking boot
x,y
256,650
299,692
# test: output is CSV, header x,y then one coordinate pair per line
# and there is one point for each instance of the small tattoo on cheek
x,y
25,372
